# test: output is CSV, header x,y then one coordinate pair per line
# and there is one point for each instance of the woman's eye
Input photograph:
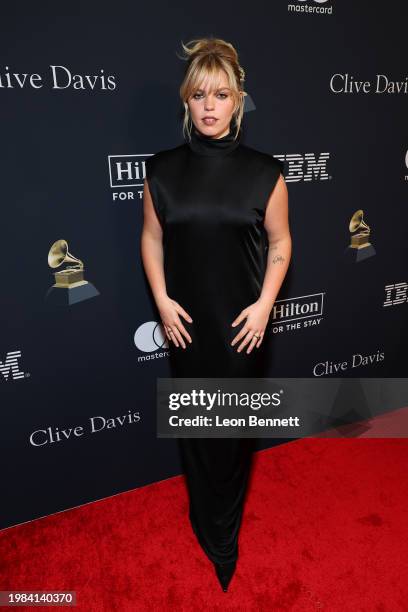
x,y
197,96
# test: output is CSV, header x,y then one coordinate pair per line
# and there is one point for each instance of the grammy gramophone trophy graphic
x,y
70,287
359,248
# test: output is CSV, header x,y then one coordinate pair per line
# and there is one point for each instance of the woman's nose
x,y
209,103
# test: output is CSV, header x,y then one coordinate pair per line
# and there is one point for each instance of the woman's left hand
x,y
257,315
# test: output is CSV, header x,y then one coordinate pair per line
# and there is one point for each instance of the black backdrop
x,y
65,151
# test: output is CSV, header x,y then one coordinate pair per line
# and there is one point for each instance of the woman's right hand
x,y
169,312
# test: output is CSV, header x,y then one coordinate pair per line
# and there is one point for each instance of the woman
x,y
215,247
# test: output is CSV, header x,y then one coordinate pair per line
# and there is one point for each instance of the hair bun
x,y
200,47
242,73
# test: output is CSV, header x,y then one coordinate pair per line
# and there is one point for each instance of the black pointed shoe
x,y
224,572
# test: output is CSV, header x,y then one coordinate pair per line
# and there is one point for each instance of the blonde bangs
x,y
207,73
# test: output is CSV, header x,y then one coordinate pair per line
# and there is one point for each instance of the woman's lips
x,y
209,120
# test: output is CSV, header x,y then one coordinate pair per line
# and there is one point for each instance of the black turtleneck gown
x,y
210,196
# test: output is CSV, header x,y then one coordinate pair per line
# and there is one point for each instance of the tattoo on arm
x,y
278,259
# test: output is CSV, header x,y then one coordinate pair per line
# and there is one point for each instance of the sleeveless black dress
x,y
210,196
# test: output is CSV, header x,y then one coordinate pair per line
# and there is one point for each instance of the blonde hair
x,y
206,57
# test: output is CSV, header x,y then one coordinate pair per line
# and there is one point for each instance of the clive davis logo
x,y
126,171
311,6
306,167
10,369
297,313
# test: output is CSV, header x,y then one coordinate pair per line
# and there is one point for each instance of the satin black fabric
x,y
210,196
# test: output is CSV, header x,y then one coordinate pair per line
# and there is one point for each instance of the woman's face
x,y
217,106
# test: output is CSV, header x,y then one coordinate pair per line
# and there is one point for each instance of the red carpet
x,y
325,528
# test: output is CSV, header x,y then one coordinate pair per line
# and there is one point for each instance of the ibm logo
x,y
10,366
398,291
307,167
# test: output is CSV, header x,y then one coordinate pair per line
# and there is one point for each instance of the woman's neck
x,y
204,144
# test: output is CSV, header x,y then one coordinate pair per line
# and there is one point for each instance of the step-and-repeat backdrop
x,y
85,99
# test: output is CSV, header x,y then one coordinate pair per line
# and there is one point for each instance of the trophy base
x,y
357,254
66,296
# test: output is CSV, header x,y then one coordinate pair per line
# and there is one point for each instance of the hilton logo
x,y
396,294
298,312
305,167
127,171
10,366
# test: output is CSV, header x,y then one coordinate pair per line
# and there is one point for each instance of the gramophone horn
x,y
357,222
59,254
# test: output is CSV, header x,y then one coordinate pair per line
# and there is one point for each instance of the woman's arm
x,y
276,223
152,258
152,246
